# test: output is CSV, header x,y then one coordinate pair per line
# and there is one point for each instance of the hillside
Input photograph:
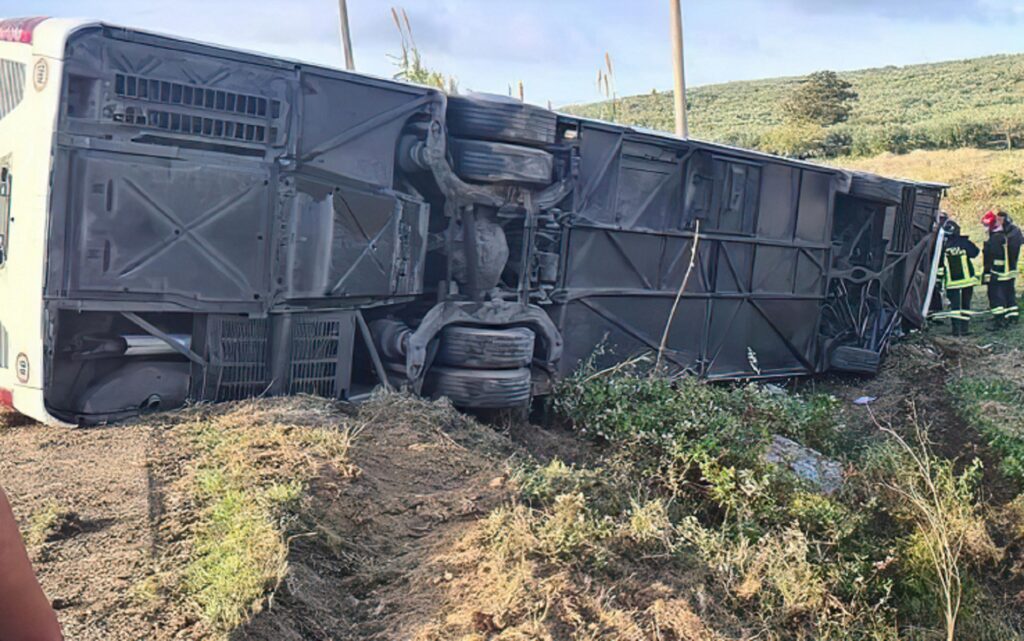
x,y
979,179
942,105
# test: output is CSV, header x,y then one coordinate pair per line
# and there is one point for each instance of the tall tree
x,y
822,98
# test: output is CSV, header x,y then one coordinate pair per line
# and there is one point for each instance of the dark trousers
x,y
960,300
1002,299
936,302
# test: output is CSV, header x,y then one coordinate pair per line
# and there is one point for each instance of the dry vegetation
x,y
656,518
980,180
650,513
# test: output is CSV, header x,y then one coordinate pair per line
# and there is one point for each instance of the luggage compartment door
x,y
173,228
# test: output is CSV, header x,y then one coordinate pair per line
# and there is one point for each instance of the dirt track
x,y
95,487
362,564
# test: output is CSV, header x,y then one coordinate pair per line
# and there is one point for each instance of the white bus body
x,y
31,55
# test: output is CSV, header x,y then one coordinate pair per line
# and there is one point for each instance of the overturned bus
x,y
183,222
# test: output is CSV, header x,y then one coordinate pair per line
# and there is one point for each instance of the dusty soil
x,y
387,553
364,557
95,487
913,382
375,568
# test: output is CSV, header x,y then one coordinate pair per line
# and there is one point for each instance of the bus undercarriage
x,y
224,225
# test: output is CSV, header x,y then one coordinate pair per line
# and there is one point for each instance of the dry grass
x,y
43,523
509,583
979,179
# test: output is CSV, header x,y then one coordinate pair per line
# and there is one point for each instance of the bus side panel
x,y
26,136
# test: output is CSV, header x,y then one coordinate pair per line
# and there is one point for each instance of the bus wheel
x,y
479,388
500,118
485,347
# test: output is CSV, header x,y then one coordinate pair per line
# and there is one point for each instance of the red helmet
x,y
989,219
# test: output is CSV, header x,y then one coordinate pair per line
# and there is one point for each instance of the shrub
x,y
948,531
796,140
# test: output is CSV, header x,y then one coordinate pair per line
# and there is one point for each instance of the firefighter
x,y
1015,239
1001,251
958,277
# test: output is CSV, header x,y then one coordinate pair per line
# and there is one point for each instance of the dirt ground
x,y
376,555
361,566
94,487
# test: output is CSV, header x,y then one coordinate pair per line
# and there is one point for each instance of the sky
x,y
555,47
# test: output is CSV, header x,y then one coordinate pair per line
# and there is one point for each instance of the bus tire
x,y
496,162
501,119
479,388
485,347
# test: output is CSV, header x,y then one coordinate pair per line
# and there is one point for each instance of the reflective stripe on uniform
x,y
966,280
1005,273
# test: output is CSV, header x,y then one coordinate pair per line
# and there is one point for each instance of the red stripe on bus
x,y
6,398
19,29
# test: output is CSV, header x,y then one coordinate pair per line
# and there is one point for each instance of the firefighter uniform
x,y
958,278
1015,239
1001,252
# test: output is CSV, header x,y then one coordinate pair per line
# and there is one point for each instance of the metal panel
x,y
320,350
349,126
780,190
168,227
625,325
611,259
238,351
814,219
346,241
752,304
121,84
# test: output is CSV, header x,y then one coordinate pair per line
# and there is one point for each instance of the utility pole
x,y
682,127
346,37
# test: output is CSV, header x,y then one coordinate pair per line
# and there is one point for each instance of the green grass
x,y
251,468
994,404
942,105
682,483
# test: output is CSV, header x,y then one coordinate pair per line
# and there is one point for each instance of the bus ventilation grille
x,y
254,114
198,125
12,85
316,348
240,357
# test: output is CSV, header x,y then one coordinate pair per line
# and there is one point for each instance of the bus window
x,y
12,85
5,213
